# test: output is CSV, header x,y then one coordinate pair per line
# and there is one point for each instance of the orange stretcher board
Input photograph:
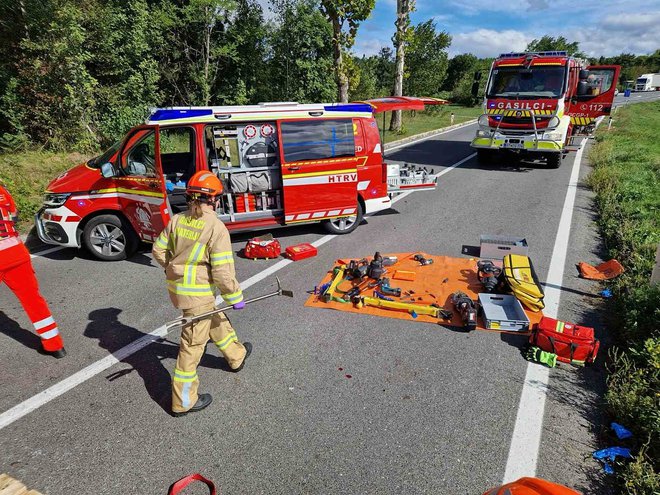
x,y
433,283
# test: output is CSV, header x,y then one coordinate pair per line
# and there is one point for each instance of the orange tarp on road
x,y
433,283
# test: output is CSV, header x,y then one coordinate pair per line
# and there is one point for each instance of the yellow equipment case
x,y
519,275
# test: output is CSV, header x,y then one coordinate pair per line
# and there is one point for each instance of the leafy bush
x,y
626,180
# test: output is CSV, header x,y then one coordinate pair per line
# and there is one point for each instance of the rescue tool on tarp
x,y
183,321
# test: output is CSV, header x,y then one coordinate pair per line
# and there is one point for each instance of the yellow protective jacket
x,y
197,257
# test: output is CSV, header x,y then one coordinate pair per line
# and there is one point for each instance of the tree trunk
x,y
340,76
207,57
402,14
21,6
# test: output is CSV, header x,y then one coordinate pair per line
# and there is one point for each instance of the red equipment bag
x,y
177,486
572,343
262,247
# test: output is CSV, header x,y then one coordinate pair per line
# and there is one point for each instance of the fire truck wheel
x,y
109,238
554,160
344,225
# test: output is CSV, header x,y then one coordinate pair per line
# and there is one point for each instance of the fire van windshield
x,y
520,83
105,157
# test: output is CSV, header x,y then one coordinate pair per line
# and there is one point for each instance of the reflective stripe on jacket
x,y
197,257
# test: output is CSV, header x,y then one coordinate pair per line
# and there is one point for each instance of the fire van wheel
x,y
344,225
554,160
109,238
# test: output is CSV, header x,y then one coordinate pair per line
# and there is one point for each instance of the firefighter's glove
x,y
536,355
239,305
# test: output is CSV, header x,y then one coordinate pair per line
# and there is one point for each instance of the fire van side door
x,y
598,101
319,169
140,187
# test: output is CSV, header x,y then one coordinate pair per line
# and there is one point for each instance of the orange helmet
x,y
531,486
204,183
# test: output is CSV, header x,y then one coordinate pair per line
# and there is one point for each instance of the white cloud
x,y
644,23
488,42
621,33
369,47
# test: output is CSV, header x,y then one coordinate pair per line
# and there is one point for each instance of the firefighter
x,y
531,486
17,272
195,251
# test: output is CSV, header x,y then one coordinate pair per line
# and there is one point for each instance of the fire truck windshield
x,y
521,83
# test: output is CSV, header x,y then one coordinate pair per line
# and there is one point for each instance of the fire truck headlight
x,y
553,136
53,199
483,120
483,133
554,122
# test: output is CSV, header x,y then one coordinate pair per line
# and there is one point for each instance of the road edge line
x,y
526,438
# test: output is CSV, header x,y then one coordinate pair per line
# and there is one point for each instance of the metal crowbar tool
x,y
183,321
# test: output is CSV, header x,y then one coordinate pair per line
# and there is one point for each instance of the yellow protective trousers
x,y
194,338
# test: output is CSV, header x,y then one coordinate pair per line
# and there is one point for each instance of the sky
x,y
487,28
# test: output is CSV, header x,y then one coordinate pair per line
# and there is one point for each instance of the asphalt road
x,y
636,97
426,410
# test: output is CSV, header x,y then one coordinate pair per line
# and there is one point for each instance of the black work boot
x,y
202,402
248,349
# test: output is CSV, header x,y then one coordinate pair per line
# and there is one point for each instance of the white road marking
x,y
44,397
526,439
46,251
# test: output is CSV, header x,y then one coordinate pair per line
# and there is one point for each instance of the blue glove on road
x,y
239,305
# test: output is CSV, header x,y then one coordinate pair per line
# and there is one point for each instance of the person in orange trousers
x,y
531,486
17,272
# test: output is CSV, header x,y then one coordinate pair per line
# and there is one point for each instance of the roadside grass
x,y
430,119
26,175
626,179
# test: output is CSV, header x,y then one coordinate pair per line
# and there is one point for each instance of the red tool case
x,y
301,251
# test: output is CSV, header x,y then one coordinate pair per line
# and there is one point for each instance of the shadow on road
x,y
112,335
13,330
426,154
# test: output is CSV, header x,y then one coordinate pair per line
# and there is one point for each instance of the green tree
x,y
245,77
122,37
426,60
385,71
457,68
400,39
51,92
462,92
300,60
194,49
548,43
342,14
367,85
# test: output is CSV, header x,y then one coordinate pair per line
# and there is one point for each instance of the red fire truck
x,y
280,163
535,102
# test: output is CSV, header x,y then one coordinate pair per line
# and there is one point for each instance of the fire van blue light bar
x,y
348,107
170,114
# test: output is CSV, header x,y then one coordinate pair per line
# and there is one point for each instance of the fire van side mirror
x,y
583,75
108,170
